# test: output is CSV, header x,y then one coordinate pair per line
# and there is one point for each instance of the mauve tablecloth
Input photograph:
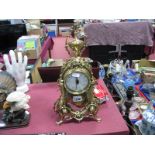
x,y
125,33
43,117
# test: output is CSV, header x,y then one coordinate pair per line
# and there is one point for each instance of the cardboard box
x,y
57,63
30,46
148,70
146,63
148,77
34,22
36,31
35,76
28,43
65,34
51,27
64,31
31,54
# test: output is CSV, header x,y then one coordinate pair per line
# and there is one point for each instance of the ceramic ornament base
x,y
7,125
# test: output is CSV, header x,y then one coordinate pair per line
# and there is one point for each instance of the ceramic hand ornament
x,y
17,69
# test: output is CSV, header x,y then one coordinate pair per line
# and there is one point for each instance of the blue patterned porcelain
x,y
147,125
128,83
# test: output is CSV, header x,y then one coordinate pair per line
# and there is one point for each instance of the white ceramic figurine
x,y
17,68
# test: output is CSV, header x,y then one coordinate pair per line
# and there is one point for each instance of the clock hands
x,y
77,81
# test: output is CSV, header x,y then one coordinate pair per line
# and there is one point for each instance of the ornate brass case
x,y
88,106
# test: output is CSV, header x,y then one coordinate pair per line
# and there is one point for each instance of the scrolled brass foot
x,y
59,122
98,119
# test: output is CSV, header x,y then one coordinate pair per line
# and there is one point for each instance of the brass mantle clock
x,y
77,100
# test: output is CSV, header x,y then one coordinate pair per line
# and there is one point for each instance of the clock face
x,y
77,82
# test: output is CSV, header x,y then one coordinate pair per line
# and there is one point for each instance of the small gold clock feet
x,y
95,118
98,119
59,122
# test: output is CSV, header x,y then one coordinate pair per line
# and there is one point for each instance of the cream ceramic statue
x,y
15,107
18,100
17,69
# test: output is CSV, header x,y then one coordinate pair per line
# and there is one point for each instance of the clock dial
x,y
77,81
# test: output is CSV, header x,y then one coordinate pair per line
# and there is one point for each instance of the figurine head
x,y
17,101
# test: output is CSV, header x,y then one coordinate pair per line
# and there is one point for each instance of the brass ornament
x,y
76,46
76,82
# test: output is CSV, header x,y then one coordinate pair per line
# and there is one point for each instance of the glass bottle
x,y
128,103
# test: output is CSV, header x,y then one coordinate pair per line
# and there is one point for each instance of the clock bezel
x,y
77,70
